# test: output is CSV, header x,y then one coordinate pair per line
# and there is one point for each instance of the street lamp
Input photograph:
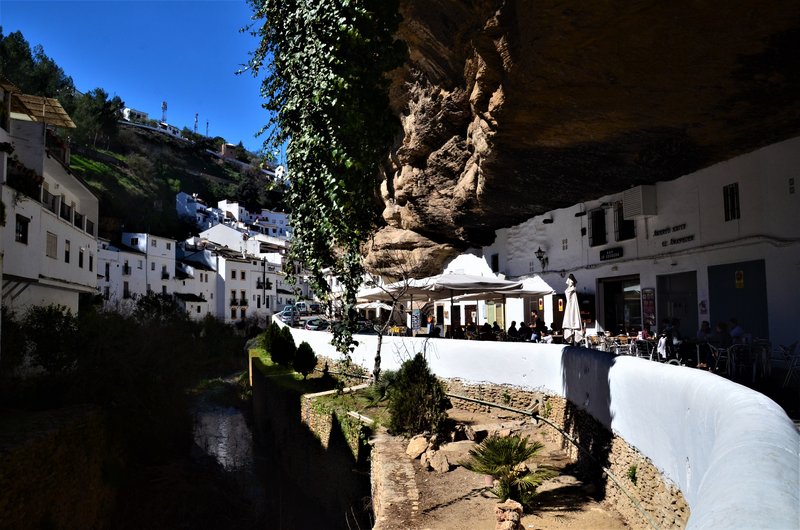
x,y
540,255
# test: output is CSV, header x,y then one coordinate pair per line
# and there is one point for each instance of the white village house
x,y
49,245
718,243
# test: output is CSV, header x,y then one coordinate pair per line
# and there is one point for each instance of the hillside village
x,y
232,270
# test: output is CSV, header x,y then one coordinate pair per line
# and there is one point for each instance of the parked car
x,y
302,308
289,316
318,324
315,308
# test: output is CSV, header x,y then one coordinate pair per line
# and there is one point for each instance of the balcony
x,y
126,270
164,275
66,212
234,302
89,227
49,200
78,220
259,284
243,302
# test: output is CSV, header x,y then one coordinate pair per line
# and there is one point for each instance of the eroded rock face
x,y
513,108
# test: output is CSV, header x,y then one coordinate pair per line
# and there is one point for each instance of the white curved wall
x,y
732,451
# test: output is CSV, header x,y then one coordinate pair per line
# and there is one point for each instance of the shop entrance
x,y
677,298
739,290
622,304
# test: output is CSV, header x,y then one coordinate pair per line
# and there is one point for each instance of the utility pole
x,y
195,123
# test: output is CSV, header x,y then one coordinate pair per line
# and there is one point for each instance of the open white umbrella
x,y
373,305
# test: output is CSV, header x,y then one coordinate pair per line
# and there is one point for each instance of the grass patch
x,y
288,378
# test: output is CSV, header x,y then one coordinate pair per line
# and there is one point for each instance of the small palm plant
x,y
503,458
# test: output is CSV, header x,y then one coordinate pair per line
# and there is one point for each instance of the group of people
x,y
536,331
670,340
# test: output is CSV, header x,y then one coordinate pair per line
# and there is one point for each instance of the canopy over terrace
x,y
439,287
534,286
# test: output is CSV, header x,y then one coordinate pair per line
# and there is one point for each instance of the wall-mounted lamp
x,y
542,257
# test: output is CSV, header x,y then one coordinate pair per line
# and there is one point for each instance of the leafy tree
x,y
51,335
305,360
159,309
96,117
32,71
288,348
268,338
417,401
326,86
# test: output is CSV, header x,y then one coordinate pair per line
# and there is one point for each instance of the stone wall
x,y
662,501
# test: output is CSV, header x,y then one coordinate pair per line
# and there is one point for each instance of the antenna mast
x,y
164,111
195,123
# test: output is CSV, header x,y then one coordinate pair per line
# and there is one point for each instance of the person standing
x,y
573,326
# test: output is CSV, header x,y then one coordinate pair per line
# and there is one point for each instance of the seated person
x,y
486,332
458,332
512,330
496,327
736,331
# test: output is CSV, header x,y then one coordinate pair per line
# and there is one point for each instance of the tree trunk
x,y
376,371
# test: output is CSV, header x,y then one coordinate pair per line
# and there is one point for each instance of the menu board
x,y
649,304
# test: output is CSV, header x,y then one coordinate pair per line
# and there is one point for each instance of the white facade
x,y
49,243
684,260
247,288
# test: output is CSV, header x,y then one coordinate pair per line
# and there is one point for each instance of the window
x,y
153,243
233,275
243,313
495,262
66,251
140,264
597,227
108,270
198,309
233,295
730,196
241,275
233,314
623,228
134,241
126,290
21,233
169,246
152,265
564,244
258,302
164,289
80,258
91,262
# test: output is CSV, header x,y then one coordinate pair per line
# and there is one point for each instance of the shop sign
x,y
739,279
541,304
649,304
610,253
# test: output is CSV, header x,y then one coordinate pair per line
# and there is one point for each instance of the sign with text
x,y
611,253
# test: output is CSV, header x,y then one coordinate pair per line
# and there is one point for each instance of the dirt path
x,y
459,499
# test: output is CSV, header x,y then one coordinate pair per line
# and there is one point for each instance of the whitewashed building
x,y
49,239
718,243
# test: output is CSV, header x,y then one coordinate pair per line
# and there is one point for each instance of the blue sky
x,y
183,52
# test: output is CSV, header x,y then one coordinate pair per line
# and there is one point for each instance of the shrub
x,y
382,388
289,348
268,337
304,360
418,402
51,333
503,458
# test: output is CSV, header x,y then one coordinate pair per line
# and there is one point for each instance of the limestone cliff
x,y
511,108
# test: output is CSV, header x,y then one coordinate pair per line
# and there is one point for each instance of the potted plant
x,y
503,460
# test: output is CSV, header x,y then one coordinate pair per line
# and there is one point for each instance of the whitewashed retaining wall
x,y
733,452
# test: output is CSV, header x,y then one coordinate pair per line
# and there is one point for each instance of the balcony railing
x,y
66,212
164,275
243,302
78,220
89,227
49,200
259,284
126,270
234,301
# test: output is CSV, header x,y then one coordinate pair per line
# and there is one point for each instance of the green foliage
x,y
326,86
159,309
51,338
417,401
503,458
632,474
382,388
32,71
96,116
289,349
304,360
268,337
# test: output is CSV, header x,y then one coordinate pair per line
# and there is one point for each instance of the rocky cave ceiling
x,y
513,108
